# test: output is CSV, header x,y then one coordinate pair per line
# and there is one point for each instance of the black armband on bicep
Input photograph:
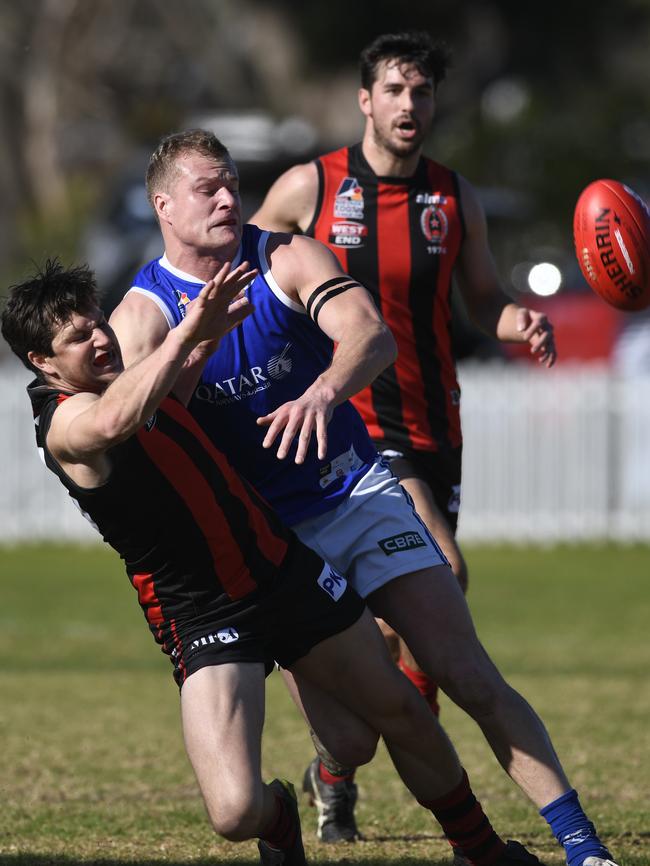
x,y
327,290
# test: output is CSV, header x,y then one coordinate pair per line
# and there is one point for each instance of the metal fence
x,y
549,456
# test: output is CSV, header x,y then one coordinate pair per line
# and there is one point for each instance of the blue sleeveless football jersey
x,y
270,359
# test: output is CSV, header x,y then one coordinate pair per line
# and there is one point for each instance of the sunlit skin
x,y
399,110
85,354
200,215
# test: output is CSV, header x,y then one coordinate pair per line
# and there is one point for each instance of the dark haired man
x,y
401,224
278,370
229,590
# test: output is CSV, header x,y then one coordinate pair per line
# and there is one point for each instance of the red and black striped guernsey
x,y
194,537
400,237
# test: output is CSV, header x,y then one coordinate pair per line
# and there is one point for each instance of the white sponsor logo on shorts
x,y
398,543
224,635
453,506
334,584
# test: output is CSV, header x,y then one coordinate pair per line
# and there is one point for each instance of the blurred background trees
x,y
541,99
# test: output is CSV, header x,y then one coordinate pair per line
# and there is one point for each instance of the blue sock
x,y
573,829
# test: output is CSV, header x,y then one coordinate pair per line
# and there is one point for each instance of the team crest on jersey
x,y
348,202
182,300
434,225
348,234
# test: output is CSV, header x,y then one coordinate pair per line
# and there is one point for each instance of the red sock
x,y
330,778
281,832
424,684
466,825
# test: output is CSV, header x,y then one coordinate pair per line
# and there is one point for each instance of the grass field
x,y
93,767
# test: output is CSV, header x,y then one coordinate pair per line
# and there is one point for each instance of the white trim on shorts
x,y
373,536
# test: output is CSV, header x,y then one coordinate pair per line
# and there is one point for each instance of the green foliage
x,y
94,769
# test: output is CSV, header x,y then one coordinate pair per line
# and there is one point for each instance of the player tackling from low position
x,y
225,587
401,224
276,376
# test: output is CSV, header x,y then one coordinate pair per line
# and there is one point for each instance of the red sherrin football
x,y
611,231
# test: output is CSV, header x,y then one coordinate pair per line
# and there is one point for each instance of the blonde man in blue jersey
x,y
277,379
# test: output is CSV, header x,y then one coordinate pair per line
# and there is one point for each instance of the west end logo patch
x,y
400,543
348,234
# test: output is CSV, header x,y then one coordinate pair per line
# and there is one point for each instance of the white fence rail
x,y
549,456
555,455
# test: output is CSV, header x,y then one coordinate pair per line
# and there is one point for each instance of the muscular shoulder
x,y
290,203
64,414
298,262
297,251
140,326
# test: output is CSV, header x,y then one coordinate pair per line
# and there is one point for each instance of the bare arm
x,y
86,426
290,203
365,345
141,327
487,304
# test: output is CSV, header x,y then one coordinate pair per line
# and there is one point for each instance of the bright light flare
x,y
544,279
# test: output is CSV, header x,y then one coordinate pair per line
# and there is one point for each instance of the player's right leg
x,y
436,522
351,538
438,525
222,710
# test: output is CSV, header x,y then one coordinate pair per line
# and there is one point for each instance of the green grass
x,y
93,767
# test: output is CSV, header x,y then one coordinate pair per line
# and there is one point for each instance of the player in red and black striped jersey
x,y
401,224
406,238
226,589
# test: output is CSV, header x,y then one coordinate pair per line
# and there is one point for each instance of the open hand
x,y
301,418
220,305
537,331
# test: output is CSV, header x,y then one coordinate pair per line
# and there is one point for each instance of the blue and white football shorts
x,y
373,536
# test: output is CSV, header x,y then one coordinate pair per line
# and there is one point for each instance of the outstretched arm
x,y
487,304
141,327
86,426
290,203
344,311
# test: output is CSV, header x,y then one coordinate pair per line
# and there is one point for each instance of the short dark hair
x,y
162,169
37,306
413,46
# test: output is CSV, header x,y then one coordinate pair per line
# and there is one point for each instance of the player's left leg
x,y
433,482
429,610
344,741
222,710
